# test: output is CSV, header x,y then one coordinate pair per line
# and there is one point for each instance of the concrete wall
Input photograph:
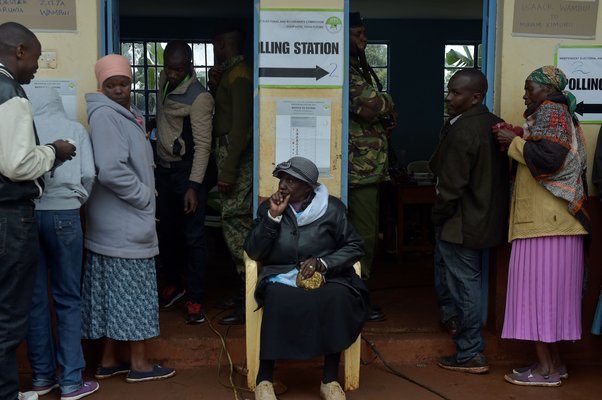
x,y
76,52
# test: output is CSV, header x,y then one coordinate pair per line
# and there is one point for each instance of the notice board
x,y
555,18
301,66
40,15
583,68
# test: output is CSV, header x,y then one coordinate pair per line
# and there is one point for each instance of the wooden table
x,y
413,195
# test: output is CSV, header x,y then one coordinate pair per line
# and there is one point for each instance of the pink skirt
x,y
545,281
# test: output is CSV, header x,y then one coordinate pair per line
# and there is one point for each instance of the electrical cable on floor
x,y
224,349
235,388
400,374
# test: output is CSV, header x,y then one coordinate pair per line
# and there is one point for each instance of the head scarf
x,y
551,76
112,65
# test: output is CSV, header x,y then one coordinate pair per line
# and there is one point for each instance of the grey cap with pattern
x,y
300,168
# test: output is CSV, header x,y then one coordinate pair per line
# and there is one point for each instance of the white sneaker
x,y
28,396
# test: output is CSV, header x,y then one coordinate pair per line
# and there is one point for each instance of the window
x,y
377,55
146,59
459,56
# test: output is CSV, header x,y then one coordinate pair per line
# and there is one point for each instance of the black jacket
x,y
472,182
281,246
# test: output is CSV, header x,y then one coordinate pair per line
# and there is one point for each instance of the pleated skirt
x,y
545,281
303,324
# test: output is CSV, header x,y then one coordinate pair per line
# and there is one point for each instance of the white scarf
x,y
315,209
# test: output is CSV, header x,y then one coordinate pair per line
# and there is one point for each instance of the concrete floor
x,y
375,383
411,339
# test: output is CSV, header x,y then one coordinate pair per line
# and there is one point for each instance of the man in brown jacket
x,y
184,125
470,215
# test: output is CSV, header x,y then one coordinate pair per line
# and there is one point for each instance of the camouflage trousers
x,y
362,211
237,208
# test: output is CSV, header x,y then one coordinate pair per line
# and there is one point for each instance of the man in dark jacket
x,y
470,215
22,162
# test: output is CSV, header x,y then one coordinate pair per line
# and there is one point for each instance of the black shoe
x,y
228,303
376,314
476,365
236,318
451,325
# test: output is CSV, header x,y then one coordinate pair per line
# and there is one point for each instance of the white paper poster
x,y
583,67
303,129
300,48
67,88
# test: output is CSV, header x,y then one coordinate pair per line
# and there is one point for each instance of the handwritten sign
x,y
45,15
555,18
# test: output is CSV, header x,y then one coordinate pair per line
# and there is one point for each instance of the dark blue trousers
x,y
182,240
18,257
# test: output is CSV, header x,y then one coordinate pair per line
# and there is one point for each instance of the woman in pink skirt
x,y
547,226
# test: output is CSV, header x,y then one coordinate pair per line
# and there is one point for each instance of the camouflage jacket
x,y
368,145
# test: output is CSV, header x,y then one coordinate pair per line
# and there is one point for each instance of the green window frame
x,y
459,56
146,59
377,54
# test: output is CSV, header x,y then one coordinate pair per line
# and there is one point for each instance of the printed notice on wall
x,y
303,129
40,15
583,67
300,48
67,89
555,18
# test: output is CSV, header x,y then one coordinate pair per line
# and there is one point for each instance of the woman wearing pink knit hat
x,y
119,285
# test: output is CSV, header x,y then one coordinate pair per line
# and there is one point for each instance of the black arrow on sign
x,y
317,73
588,108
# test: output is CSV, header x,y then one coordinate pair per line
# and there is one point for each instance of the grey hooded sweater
x,y
121,209
69,185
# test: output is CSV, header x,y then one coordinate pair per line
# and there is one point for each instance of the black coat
x,y
282,246
472,181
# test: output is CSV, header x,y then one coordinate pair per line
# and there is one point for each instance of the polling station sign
x,y
301,48
583,68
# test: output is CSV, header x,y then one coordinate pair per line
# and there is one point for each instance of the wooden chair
x,y
253,332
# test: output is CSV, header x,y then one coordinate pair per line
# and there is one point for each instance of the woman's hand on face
x,y
278,204
308,267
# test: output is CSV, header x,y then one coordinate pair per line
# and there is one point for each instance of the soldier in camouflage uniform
x,y
371,117
231,83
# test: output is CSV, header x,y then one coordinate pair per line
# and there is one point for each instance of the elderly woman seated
x,y
314,303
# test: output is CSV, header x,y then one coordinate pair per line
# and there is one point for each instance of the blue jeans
x,y
18,253
60,261
447,309
464,281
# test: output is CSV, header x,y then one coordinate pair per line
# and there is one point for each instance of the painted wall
x,y
76,52
416,77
